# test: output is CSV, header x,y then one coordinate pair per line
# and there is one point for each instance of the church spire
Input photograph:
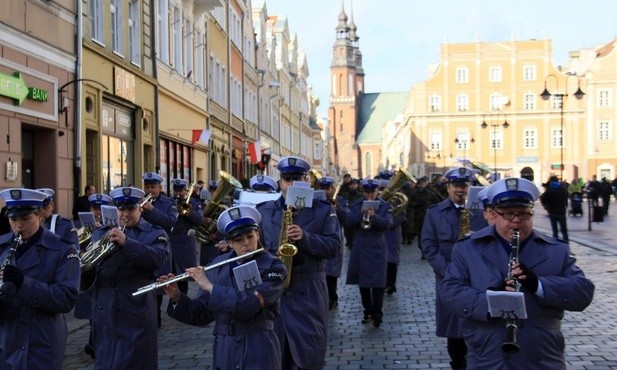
x,y
342,29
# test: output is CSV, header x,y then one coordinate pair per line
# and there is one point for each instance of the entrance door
x,y
27,159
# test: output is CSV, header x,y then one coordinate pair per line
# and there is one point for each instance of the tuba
x,y
286,250
94,254
393,196
213,208
184,207
315,176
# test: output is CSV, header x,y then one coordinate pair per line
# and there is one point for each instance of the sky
x,y
400,39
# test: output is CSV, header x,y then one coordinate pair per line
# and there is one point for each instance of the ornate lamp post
x,y
546,94
493,141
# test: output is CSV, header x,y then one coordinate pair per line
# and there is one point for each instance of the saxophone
x,y
463,226
286,250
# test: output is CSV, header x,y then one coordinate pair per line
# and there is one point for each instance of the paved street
x,y
406,339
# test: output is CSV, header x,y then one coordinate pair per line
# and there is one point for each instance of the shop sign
x,y
15,87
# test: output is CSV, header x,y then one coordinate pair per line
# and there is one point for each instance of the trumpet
x,y
147,199
153,286
184,207
366,221
510,345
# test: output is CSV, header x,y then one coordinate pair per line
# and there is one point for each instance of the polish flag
x,y
255,151
201,135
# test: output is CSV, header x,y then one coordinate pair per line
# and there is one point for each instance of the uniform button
x,y
465,311
23,348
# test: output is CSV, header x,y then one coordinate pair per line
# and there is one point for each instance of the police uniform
x,y
304,306
36,293
368,260
394,241
183,242
124,327
439,233
334,265
57,224
481,261
263,183
244,327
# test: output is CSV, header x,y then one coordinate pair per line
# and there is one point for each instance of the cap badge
x,y
126,192
16,194
292,161
99,196
149,175
462,171
234,214
260,178
511,184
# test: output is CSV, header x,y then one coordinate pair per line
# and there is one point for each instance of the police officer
x,y
304,306
40,283
487,206
368,260
57,224
263,183
124,327
439,233
244,315
420,199
549,278
183,242
160,211
394,242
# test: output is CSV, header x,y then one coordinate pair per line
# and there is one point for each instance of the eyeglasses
x,y
509,216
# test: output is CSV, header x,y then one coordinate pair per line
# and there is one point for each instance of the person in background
x,y
441,229
302,326
368,260
56,223
549,280
606,190
575,187
244,318
555,201
394,241
81,203
124,327
40,284
487,206
420,199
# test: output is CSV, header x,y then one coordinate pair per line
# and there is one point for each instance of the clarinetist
x,y
549,279
40,283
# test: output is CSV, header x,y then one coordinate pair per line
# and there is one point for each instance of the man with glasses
x,y
549,279
302,325
439,233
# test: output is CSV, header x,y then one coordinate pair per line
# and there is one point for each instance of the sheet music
x,y
110,217
247,276
472,198
506,304
370,204
300,196
87,220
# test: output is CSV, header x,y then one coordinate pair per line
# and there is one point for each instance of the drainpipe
x,y
77,124
157,146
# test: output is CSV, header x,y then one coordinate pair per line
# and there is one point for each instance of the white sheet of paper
x,y
87,220
247,276
472,198
370,204
300,197
506,304
110,217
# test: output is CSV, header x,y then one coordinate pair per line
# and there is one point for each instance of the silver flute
x,y
153,286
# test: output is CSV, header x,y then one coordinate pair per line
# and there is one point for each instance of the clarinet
x,y
10,257
510,345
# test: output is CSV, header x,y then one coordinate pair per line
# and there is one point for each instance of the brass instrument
x,y
10,257
84,235
393,196
286,250
94,254
463,225
147,199
366,221
315,176
510,345
153,286
184,207
213,208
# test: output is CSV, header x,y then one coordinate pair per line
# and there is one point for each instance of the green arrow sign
x,y
13,87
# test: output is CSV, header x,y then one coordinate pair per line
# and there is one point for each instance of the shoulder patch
x,y
276,275
72,255
162,239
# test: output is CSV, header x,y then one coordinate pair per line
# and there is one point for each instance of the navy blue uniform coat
x,y
183,245
480,262
244,330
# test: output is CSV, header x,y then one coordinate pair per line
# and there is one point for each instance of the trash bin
x,y
598,214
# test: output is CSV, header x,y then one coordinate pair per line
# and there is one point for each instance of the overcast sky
x,y
399,39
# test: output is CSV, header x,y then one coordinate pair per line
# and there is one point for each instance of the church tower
x,y
346,88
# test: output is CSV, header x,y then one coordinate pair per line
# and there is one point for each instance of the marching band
x,y
148,245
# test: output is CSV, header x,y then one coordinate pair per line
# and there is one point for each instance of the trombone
x,y
184,206
153,286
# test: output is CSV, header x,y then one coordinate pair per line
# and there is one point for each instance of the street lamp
x,y
463,144
560,96
494,126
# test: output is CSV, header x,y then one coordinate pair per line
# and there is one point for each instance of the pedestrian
x,y
368,262
314,230
59,225
555,201
40,284
81,203
420,199
244,317
547,273
442,226
606,190
124,327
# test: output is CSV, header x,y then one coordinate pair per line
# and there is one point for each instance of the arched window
x,y
368,164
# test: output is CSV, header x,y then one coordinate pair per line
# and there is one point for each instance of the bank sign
x,y
15,87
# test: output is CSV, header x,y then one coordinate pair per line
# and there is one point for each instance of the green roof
x,y
375,110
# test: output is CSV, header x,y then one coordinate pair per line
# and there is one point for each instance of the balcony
x,y
202,6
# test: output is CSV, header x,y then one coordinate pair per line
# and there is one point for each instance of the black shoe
x,y
390,290
367,319
333,304
89,349
377,321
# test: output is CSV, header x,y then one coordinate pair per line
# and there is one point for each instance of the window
x,y
494,74
434,103
134,33
235,28
604,132
529,101
236,96
218,14
462,103
96,21
162,41
462,141
556,101
368,160
462,75
556,138
495,102
496,139
177,39
604,99
117,29
529,73
530,139
199,50
189,46
435,141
